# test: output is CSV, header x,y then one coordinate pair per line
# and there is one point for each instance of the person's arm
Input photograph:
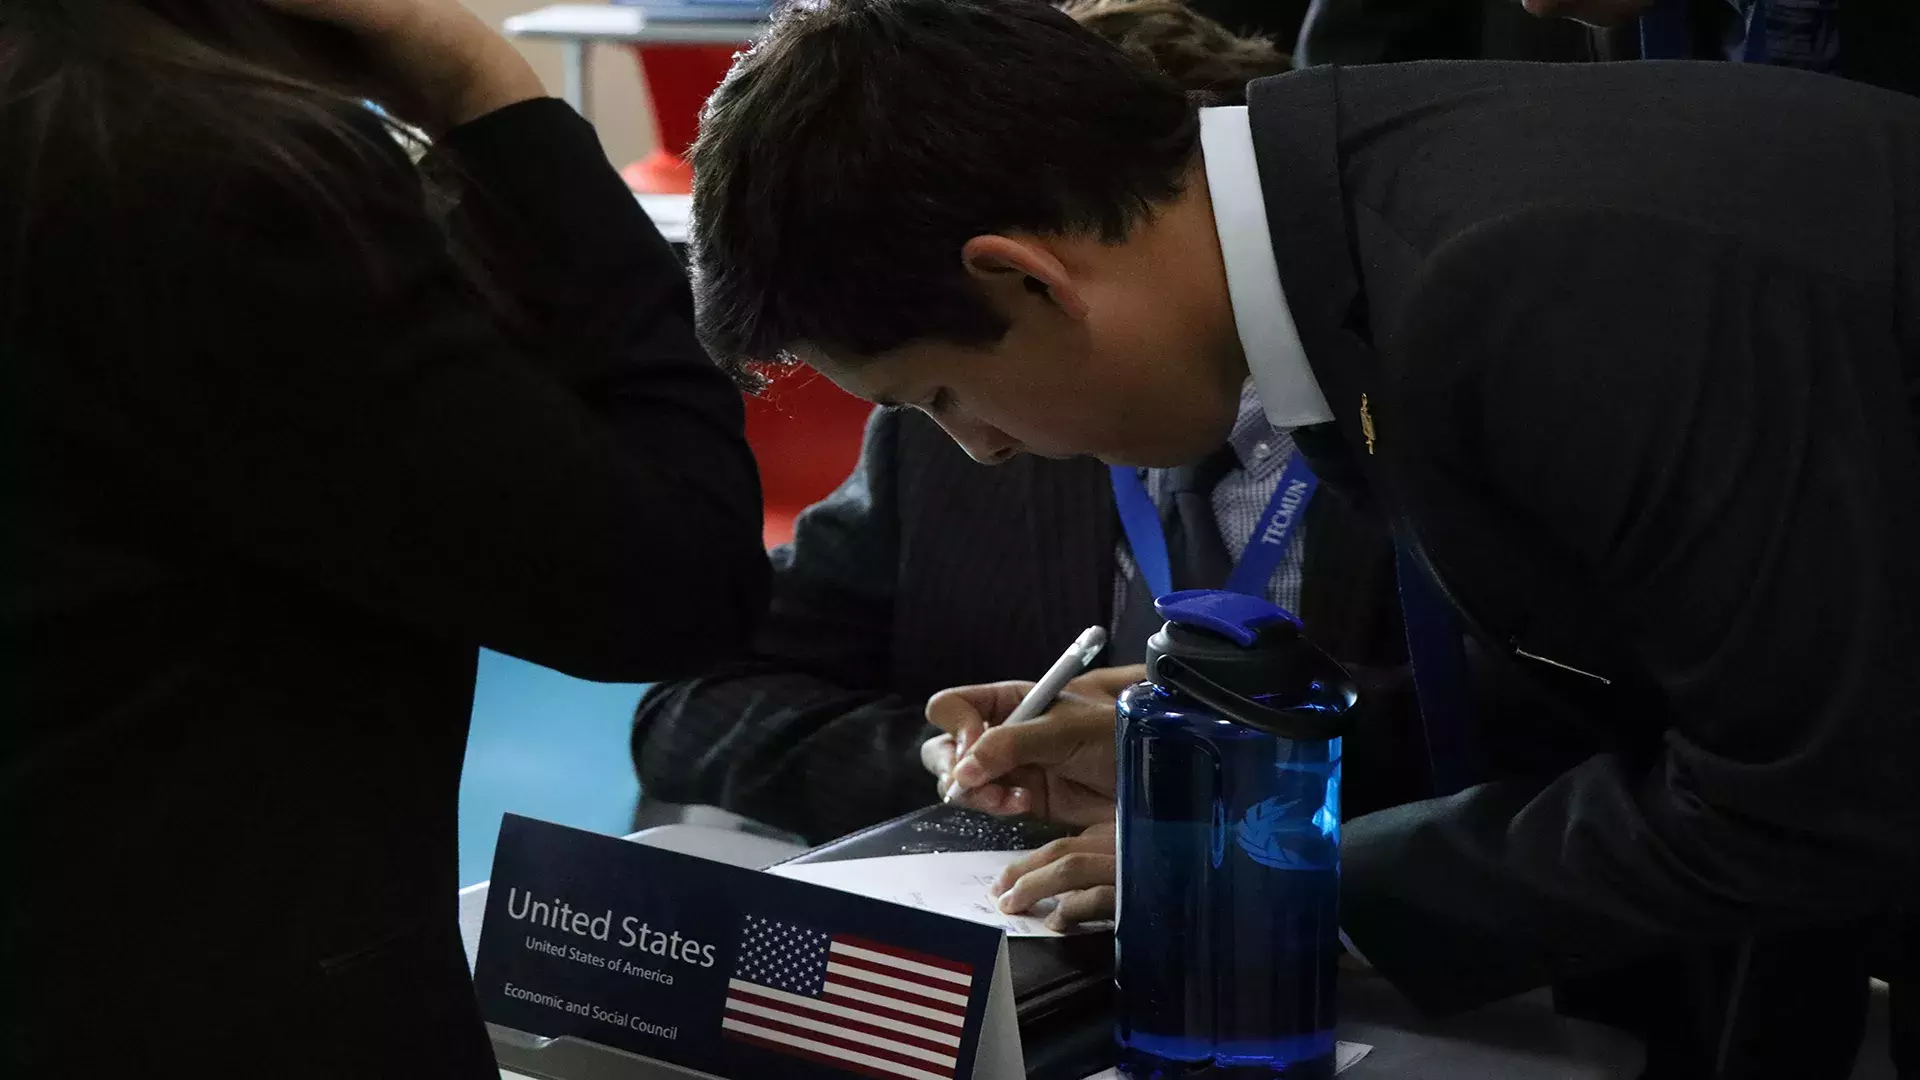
x,y
1719,435
1601,13
804,734
1388,31
336,403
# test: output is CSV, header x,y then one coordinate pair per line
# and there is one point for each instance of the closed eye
x,y
932,404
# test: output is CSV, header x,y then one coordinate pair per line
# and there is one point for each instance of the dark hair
x,y
1194,51
105,87
848,157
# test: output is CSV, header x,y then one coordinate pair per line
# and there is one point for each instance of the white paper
x,y
952,883
1345,1056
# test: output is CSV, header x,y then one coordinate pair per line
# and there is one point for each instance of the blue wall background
x,y
547,746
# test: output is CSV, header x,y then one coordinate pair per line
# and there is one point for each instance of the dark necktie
x,y
1197,557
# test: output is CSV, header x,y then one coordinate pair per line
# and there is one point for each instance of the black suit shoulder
x,y
1804,163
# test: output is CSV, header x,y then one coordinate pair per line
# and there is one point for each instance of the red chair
x,y
805,432
679,79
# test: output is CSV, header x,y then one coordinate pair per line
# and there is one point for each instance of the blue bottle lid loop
x,y
1235,616
1245,659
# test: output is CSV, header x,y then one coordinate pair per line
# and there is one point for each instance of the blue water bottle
x,y
1227,943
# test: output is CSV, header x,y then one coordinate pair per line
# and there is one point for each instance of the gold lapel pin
x,y
1366,423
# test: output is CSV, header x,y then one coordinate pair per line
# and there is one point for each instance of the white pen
x,y
1072,664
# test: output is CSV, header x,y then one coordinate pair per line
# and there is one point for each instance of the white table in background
x,y
671,214
578,27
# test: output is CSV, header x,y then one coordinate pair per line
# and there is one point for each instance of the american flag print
x,y
847,1002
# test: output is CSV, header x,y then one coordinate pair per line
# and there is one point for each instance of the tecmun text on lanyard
x,y
1140,518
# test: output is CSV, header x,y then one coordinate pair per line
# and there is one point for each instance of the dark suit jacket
x,y
927,570
1637,350
265,499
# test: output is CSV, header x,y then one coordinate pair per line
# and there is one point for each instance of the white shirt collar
x,y
1275,358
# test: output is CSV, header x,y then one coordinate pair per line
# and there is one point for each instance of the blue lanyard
x,y
1140,518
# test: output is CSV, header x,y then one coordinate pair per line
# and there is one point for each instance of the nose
x,y
983,442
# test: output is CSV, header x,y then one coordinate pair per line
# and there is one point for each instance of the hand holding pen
x,y
1056,762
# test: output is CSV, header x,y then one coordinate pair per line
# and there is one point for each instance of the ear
x,y
1013,270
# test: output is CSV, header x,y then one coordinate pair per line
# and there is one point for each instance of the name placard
x,y
732,972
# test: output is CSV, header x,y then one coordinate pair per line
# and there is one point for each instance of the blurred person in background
x,y
1871,41
295,427
1396,31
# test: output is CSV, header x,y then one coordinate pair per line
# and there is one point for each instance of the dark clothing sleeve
x,y
1387,31
575,492
1721,438
781,737
1396,31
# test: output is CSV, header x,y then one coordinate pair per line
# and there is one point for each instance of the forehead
x,y
899,376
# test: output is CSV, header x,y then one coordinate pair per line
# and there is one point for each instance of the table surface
x,y
614,24
670,213
1518,1039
